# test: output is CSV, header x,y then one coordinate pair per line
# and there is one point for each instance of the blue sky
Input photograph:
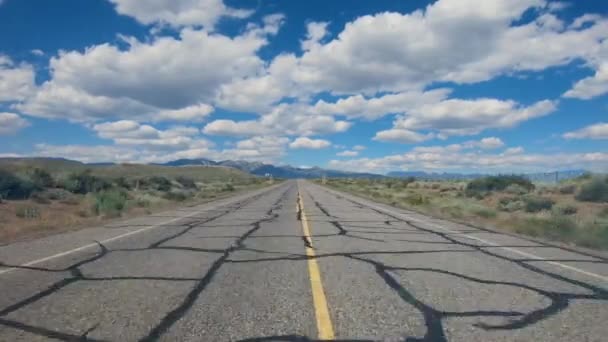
x,y
447,85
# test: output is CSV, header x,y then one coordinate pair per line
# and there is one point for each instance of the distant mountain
x,y
190,162
543,177
261,169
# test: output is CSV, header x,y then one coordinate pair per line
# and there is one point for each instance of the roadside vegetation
x,y
37,200
573,211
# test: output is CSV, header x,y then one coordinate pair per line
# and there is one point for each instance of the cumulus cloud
x,y
596,131
467,117
307,143
284,119
315,32
348,153
592,86
11,123
178,12
17,81
402,136
444,158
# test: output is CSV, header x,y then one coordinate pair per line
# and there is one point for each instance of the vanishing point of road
x,y
299,262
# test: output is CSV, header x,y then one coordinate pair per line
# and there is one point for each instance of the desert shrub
x,y
535,204
554,227
228,187
516,189
13,187
84,182
40,198
603,212
186,182
159,183
110,202
27,212
416,199
511,204
484,212
41,178
175,196
57,194
496,183
595,190
565,209
122,182
435,186
567,189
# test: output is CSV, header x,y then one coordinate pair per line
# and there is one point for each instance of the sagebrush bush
x,y
110,202
186,182
15,188
496,183
565,209
27,212
554,227
511,204
595,190
535,204
159,183
567,189
84,182
175,196
41,178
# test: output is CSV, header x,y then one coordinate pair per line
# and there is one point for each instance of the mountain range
x,y
283,171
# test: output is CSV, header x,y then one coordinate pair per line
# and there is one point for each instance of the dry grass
x,y
76,211
587,226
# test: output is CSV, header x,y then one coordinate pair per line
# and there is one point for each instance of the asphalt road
x,y
299,262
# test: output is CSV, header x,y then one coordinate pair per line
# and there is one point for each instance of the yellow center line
x,y
324,325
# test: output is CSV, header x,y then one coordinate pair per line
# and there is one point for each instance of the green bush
x,y
175,196
27,212
186,182
416,199
228,187
511,204
122,182
41,178
40,198
484,212
110,203
567,189
516,189
555,227
595,190
15,188
535,204
565,209
84,182
480,186
158,183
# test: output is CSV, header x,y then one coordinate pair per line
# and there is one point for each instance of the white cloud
x,y
315,32
359,147
178,12
307,143
402,136
348,154
11,123
284,119
596,131
592,86
17,81
490,143
373,108
451,40
192,113
443,158
466,117
37,52
514,150
131,133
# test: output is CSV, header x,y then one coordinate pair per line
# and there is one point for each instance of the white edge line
x,y
490,243
118,237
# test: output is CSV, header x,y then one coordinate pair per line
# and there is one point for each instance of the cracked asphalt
x,y
238,269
